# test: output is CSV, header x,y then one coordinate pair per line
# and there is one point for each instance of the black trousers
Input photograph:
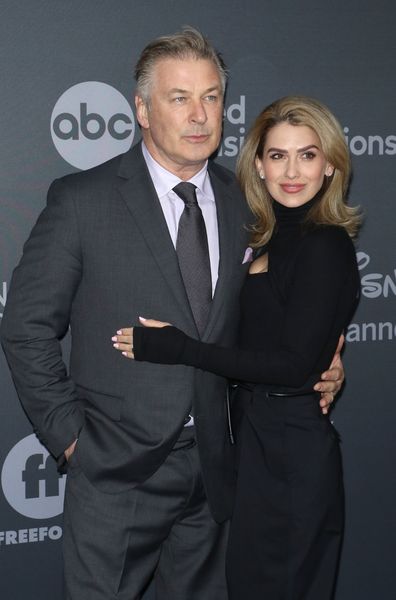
x,y
115,543
288,518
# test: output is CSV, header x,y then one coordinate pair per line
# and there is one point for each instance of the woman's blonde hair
x,y
331,208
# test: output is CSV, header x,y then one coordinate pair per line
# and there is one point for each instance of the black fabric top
x,y
291,316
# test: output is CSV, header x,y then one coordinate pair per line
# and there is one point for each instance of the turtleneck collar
x,y
286,216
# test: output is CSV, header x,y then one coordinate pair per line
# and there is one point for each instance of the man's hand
x,y
69,451
332,379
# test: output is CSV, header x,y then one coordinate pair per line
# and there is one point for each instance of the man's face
x,y
182,125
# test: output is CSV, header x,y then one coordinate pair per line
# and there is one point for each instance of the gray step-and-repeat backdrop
x,y
66,103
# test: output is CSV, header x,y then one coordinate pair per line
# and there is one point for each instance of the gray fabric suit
x,y
99,256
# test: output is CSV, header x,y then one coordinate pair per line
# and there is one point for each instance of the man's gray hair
x,y
188,43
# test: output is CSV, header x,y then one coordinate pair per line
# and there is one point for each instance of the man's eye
x,y
179,99
211,98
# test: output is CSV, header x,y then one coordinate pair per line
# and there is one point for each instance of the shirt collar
x,y
164,181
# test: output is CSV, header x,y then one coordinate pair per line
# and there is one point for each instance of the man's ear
x,y
142,112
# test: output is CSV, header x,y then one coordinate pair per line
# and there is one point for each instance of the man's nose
x,y
198,112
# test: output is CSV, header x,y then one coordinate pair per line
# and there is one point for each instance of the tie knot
x,y
186,191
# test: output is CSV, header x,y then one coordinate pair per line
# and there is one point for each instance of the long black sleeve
x,y
320,296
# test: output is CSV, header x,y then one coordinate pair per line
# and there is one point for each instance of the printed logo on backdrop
x,y
373,286
91,123
371,145
255,82
234,122
30,480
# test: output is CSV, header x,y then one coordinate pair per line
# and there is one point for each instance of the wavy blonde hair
x,y
331,208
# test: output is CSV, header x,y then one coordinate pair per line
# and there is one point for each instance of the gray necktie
x,y
193,255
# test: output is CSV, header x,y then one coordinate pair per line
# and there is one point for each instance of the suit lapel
x,y
138,192
226,227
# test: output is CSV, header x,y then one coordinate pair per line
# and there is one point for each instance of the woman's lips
x,y
292,188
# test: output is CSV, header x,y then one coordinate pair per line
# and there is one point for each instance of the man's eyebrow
x,y
212,88
178,91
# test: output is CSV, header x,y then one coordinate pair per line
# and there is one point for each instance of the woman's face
x,y
293,164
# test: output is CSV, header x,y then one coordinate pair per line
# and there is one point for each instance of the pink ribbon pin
x,y
248,255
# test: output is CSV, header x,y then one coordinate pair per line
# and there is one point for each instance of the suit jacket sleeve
x,y
37,316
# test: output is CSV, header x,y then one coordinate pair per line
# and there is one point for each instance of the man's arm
x,y
36,318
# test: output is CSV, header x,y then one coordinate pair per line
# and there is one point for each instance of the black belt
x,y
252,388
292,394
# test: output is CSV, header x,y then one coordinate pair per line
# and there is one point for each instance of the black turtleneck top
x,y
291,315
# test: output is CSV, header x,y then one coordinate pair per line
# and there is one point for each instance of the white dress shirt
x,y
172,205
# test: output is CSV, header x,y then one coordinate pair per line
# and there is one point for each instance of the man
x,y
146,492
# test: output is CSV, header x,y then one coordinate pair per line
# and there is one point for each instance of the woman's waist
x,y
280,390
280,402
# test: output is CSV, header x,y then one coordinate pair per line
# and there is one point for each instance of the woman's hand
x,y
123,340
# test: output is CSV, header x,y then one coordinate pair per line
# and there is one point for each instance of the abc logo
x,y
30,481
91,122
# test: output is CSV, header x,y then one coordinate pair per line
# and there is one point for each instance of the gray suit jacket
x,y
99,256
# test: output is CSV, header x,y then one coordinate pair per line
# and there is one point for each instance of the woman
x,y
301,291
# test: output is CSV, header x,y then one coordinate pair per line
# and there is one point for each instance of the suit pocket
x,y
104,403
